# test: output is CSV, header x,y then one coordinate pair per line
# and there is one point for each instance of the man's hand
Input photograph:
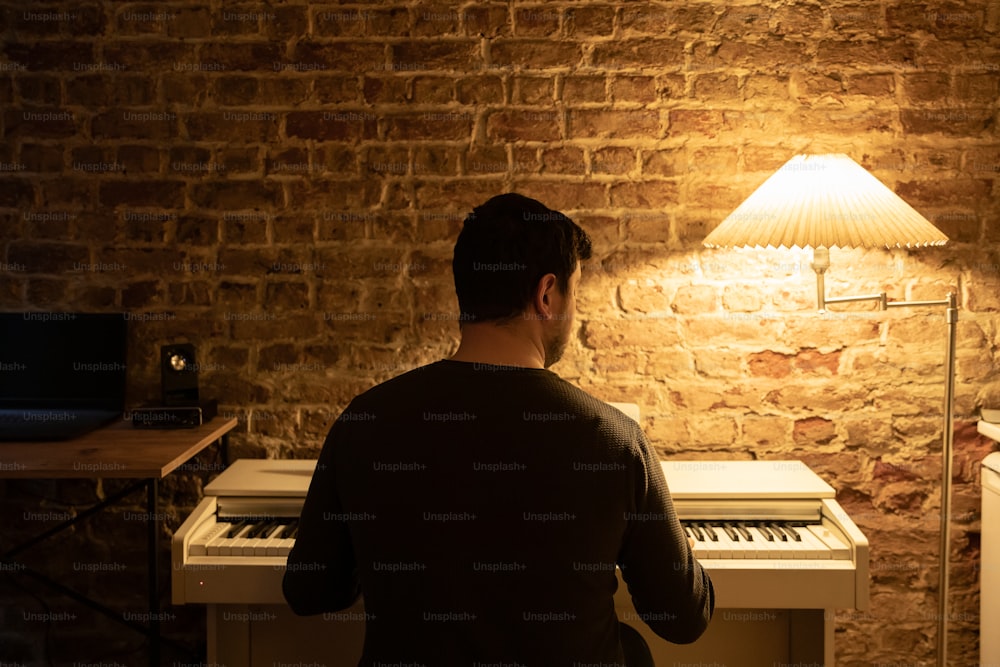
x,y
691,542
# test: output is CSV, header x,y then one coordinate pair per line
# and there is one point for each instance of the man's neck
x,y
500,345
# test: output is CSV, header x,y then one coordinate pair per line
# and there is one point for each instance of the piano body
x,y
781,552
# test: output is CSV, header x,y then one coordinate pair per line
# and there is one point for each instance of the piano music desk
x,y
114,451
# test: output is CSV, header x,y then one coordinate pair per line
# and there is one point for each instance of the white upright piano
x,y
781,552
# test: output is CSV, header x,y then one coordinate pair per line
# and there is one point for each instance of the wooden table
x,y
114,451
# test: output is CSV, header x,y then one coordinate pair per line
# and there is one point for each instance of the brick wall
x,y
282,186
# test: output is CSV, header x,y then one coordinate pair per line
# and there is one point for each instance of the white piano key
x,y
838,550
812,548
284,546
199,545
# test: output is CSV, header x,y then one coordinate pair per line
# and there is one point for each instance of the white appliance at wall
x,y
989,574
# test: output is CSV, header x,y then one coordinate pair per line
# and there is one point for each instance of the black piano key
x,y
275,527
259,529
747,535
780,530
765,531
794,534
730,531
235,529
710,531
291,530
698,535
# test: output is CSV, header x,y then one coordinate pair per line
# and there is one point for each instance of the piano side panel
x,y
267,635
202,516
835,514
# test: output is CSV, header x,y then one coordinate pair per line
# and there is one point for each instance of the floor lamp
x,y
826,201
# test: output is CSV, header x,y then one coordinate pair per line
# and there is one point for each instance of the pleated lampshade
x,y
827,201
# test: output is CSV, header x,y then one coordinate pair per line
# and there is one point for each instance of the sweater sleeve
x,y
321,573
670,590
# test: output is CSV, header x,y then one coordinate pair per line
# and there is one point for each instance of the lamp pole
x,y
821,262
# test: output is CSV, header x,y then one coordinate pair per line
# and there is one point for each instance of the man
x,y
481,503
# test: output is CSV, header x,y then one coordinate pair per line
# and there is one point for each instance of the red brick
x,y
341,56
592,21
146,56
392,88
645,333
336,88
430,125
873,85
813,431
432,90
642,123
565,196
612,160
694,18
480,90
487,20
563,160
39,89
633,89
945,20
644,194
646,19
660,163
486,160
40,123
950,191
438,160
864,18
532,90
435,55
534,54
392,21
524,125
977,88
752,20
244,56
141,193
134,124
233,125
47,257
580,88
333,125
924,87
723,87
286,295
857,54
638,53
187,22
193,88
16,193
231,195
689,121
671,86
285,22
433,19
41,158
803,20
457,196
540,20
339,21
58,56
769,364
774,56
139,159
963,122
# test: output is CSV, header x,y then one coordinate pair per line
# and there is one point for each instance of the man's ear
x,y
546,287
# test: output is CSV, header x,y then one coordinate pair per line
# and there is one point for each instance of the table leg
x,y
153,526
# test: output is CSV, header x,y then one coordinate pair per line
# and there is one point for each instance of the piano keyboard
x,y
763,540
247,537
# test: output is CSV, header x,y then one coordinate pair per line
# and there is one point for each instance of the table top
x,y
118,450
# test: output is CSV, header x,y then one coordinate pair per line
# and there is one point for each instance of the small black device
x,y
173,416
179,374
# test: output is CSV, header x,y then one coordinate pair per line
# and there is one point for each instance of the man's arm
x,y
669,588
321,574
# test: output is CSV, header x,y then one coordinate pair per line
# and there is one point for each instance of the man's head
x,y
512,257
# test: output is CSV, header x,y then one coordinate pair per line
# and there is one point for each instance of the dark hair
x,y
505,247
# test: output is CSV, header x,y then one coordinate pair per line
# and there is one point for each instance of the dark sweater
x,y
481,511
